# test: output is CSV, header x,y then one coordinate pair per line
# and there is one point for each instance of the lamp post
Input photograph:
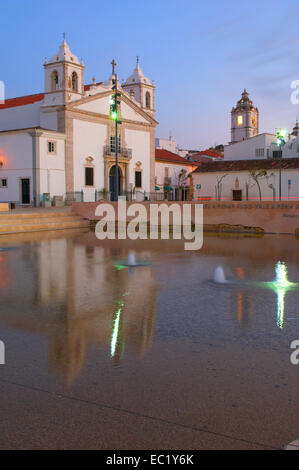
x,y
114,103
281,136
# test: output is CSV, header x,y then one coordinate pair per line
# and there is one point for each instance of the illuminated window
x,y
240,120
253,120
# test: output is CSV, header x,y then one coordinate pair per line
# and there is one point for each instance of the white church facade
x,y
62,142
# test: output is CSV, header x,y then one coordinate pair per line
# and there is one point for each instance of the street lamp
x,y
114,104
281,135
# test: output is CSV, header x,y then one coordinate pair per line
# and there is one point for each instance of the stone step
x,y
33,227
36,215
38,220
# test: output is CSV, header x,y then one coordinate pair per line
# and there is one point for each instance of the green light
x,y
282,132
114,115
281,286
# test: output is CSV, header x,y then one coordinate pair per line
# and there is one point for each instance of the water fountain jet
x,y
219,276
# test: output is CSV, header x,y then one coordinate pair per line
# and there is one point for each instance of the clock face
x,y
240,120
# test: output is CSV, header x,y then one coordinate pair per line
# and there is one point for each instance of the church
x,y
60,144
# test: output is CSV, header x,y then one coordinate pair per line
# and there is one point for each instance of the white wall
x,y
89,141
174,171
245,150
52,166
208,182
20,117
139,142
48,120
167,144
16,154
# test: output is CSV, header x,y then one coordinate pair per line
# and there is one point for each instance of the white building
x,y
260,146
232,180
172,172
167,144
62,141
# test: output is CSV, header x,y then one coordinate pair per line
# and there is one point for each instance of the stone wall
x,y
267,217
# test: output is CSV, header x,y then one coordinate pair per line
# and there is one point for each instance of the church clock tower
x,y
64,77
244,119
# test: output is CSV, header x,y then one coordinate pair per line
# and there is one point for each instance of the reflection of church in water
x,y
84,302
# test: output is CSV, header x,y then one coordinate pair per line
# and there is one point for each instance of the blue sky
x,y
201,54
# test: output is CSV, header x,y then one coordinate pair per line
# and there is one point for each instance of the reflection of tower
x,y
93,290
133,323
244,119
243,304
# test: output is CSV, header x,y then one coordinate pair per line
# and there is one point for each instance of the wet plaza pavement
x,y
102,356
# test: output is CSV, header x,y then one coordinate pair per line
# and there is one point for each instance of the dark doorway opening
x,y
25,191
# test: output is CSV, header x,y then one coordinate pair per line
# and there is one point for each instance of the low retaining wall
x,y
257,217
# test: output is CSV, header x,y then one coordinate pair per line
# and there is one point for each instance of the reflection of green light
x,y
115,331
116,326
281,286
119,267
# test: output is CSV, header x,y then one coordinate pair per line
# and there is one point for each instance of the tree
x,y
218,187
257,176
271,185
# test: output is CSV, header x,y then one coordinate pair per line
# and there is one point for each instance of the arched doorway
x,y
112,182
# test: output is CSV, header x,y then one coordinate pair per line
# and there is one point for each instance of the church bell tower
x,y
64,77
244,119
141,89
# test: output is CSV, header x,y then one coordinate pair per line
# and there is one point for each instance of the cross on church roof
x,y
114,64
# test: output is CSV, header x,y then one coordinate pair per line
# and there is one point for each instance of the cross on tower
x,y
114,64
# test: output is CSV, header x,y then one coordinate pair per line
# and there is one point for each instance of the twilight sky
x,y
200,54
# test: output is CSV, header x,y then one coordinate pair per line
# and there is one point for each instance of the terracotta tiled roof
x,y
31,99
247,165
22,101
210,153
87,87
165,155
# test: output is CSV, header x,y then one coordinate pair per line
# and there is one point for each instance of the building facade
x,y
238,181
62,142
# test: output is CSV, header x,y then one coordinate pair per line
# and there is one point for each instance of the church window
x,y
138,179
51,147
74,82
112,144
253,120
54,86
88,176
147,100
240,120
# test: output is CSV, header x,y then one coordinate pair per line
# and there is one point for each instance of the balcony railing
x,y
122,152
